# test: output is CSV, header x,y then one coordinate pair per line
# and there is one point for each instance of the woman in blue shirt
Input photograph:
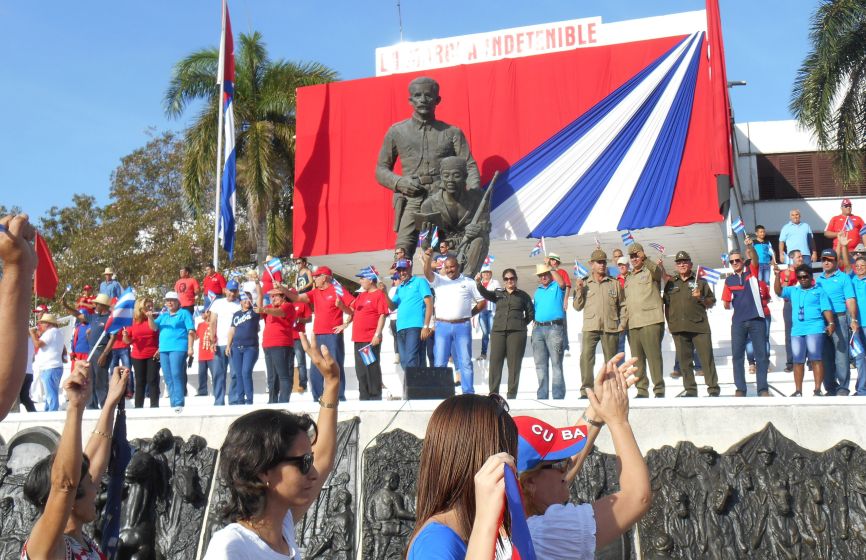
x,y
176,336
243,351
811,317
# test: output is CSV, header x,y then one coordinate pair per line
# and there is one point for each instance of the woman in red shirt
x,y
278,344
145,353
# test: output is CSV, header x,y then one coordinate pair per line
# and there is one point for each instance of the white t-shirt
x,y
564,532
251,286
454,298
493,285
236,542
224,310
30,353
51,355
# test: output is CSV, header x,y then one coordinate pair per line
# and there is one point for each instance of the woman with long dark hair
x,y
274,464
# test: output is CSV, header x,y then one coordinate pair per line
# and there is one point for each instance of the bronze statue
x,y
777,525
420,142
462,216
336,542
138,513
814,520
386,511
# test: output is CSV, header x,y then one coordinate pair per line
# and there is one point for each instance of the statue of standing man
x,y
421,142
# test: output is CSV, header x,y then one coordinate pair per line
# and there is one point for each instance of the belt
x,y
548,323
841,313
463,320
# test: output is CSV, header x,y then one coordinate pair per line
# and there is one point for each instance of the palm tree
x,y
828,96
264,110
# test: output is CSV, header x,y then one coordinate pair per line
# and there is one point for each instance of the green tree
x,y
829,95
264,111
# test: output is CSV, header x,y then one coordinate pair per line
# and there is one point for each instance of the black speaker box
x,y
428,383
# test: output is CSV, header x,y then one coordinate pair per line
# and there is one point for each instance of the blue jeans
x,y
837,361
243,359
278,364
302,364
754,329
173,368
485,320
334,342
547,345
121,356
410,347
203,367
861,367
427,351
51,382
764,273
455,340
220,369
750,348
786,317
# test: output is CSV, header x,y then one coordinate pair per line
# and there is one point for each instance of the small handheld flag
x,y
658,247
580,271
597,242
738,226
422,237
337,287
121,316
724,259
538,249
849,224
274,265
627,238
710,275
521,539
367,354
434,236
856,346
488,260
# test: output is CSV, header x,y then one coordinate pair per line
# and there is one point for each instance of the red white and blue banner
x,y
609,127
229,177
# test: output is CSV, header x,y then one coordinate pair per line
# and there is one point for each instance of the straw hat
x,y
541,269
102,299
108,271
49,319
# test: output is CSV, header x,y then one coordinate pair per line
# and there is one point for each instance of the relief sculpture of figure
x,y
462,215
386,511
837,474
778,528
138,512
815,520
722,534
420,142
679,524
336,542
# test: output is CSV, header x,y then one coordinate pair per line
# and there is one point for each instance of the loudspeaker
x,y
428,383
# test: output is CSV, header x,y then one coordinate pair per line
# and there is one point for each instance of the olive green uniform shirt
x,y
684,312
602,303
643,301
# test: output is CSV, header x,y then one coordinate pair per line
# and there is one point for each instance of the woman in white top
x,y
274,465
252,284
48,341
565,531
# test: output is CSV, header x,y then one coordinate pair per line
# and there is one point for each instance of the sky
x,y
83,82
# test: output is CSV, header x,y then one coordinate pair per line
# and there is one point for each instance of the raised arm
x,y
777,282
16,293
98,448
427,260
616,513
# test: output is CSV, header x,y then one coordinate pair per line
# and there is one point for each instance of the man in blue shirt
x,y
855,264
547,334
797,235
838,287
413,301
110,286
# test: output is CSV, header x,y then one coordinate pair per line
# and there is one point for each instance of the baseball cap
x,y
171,295
622,260
860,248
846,201
88,287
232,285
635,248
554,256
682,256
367,273
598,255
320,270
828,254
403,263
246,296
538,441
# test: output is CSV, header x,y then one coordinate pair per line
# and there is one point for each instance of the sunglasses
x,y
634,256
735,261
846,206
510,278
803,277
304,462
561,466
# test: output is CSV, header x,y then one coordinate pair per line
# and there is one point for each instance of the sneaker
x,y
789,368
676,374
699,372
797,394
178,409
817,393
842,392
482,357
752,369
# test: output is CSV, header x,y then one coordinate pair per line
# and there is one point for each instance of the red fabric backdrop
x,y
506,108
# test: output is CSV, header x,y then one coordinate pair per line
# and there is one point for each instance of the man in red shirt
x,y
85,301
213,283
269,279
371,308
278,344
553,261
205,353
303,315
187,289
330,301
837,224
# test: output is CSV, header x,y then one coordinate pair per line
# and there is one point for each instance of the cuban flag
x,y
367,354
226,78
710,275
724,259
538,248
337,287
613,168
422,236
658,247
274,265
738,226
121,316
121,454
856,346
627,238
580,271
434,236
488,260
849,224
521,540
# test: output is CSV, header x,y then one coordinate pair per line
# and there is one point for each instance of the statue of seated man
x,y
462,216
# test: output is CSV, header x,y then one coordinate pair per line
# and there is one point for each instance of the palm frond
x,y
194,77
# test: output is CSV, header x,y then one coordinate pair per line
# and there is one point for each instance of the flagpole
x,y
219,157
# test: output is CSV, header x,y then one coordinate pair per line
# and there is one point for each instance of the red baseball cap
x,y
538,441
88,287
846,202
323,270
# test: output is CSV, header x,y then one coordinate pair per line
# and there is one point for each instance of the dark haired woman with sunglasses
x,y
274,464
514,312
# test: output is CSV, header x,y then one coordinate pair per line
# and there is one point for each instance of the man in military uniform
x,y
601,298
645,319
686,299
420,142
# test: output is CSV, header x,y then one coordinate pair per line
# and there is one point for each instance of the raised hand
x,y
613,407
78,386
16,236
490,489
322,359
117,385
